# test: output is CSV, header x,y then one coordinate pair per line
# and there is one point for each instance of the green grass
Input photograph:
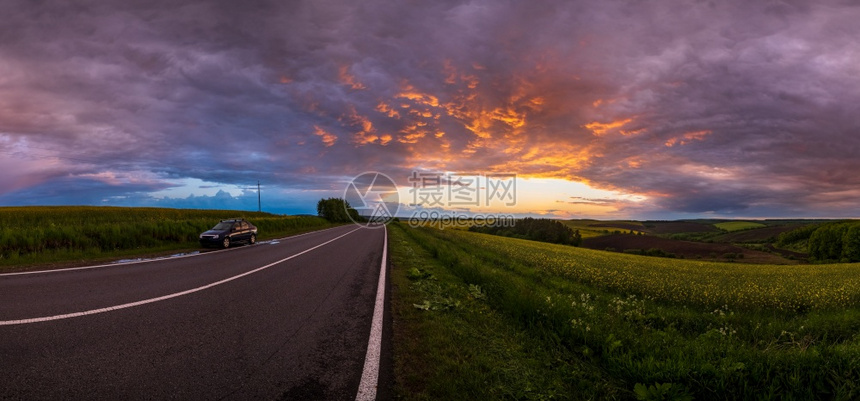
x,y
710,284
450,344
738,225
32,236
593,333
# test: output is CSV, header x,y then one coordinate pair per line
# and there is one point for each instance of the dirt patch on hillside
x,y
756,235
677,227
685,249
621,226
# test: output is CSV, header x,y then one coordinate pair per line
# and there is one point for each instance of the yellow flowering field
x,y
789,288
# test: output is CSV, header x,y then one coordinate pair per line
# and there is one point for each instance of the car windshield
x,y
222,226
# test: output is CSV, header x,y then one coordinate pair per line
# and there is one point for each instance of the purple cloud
x,y
727,108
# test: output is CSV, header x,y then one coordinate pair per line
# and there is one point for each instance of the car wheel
x,y
253,239
226,243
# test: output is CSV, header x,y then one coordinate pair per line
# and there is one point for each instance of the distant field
x,y
584,229
39,235
486,317
755,235
794,287
678,227
596,228
683,249
738,225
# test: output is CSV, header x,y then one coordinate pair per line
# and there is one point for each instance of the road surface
x,y
289,319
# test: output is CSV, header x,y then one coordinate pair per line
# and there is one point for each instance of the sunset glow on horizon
x,y
611,110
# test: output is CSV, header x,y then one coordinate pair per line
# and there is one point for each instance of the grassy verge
x,y
38,237
476,322
451,344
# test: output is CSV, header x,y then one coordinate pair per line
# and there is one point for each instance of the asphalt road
x,y
237,324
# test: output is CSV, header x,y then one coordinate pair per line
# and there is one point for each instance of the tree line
x,y
830,242
838,242
544,230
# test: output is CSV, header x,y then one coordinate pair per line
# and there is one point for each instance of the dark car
x,y
228,232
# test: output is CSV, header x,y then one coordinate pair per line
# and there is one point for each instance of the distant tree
x,y
545,230
851,244
796,235
826,243
336,210
835,242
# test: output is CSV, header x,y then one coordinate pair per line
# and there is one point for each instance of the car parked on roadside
x,y
229,232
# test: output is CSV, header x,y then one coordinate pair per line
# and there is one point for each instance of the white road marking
x,y
150,260
165,297
176,256
370,375
104,265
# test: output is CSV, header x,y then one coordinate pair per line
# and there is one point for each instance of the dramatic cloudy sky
x,y
609,109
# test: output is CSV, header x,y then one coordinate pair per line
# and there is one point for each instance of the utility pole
x,y
259,199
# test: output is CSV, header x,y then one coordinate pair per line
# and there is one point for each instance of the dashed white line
x,y
164,297
370,374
